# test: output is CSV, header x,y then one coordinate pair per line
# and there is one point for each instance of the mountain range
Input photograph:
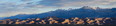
x,y
83,12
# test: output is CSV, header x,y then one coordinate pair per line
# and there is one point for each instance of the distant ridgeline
x,y
82,13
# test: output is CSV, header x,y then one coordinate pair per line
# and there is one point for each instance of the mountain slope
x,y
82,12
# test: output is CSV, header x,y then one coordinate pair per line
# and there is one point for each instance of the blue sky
x,y
14,7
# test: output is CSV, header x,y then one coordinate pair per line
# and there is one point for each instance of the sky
x,y
15,7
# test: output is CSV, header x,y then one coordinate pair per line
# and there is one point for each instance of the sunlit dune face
x,y
76,18
80,21
91,21
23,21
56,22
11,22
53,21
107,18
98,22
50,19
99,19
17,23
66,20
38,19
43,20
32,22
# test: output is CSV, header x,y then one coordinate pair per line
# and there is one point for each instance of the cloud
x,y
76,3
14,7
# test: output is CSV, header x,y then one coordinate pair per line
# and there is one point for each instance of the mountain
x,y
87,7
83,12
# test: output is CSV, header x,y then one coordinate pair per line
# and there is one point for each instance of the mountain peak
x,y
88,7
